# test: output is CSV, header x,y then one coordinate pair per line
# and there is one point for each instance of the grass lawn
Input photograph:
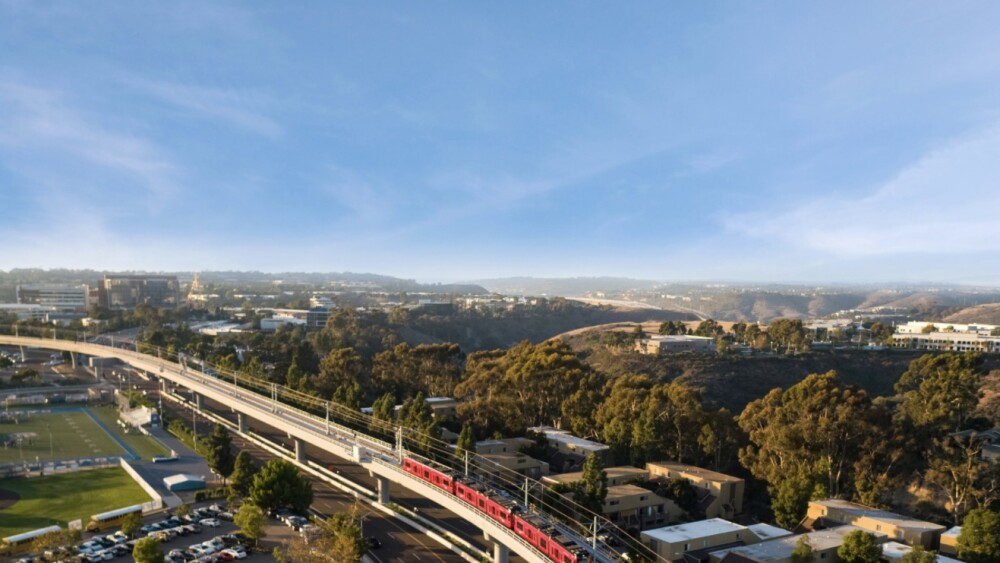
x,y
145,446
74,435
58,499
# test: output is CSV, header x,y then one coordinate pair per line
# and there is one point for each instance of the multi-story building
x,y
665,344
128,292
631,506
948,342
616,476
947,337
949,541
58,296
824,544
507,454
895,526
673,542
316,318
895,551
720,495
570,451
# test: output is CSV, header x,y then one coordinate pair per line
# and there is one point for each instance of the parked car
x,y
211,522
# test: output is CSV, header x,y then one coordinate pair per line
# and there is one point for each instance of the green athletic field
x,y
58,499
144,446
74,435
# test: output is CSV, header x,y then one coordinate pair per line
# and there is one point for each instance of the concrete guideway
x,y
353,489
380,458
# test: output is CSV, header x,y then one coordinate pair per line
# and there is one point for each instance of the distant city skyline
x,y
771,141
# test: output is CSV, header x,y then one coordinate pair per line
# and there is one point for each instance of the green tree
x,y
662,428
251,521
131,524
882,333
341,367
919,555
279,485
220,454
182,510
673,328
593,487
810,436
789,334
466,442
384,408
859,547
710,328
803,552
523,386
979,540
433,369
940,392
339,540
720,439
790,499
350,395
243,473
147,551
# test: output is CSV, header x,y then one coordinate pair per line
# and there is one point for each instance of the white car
x,y
211,522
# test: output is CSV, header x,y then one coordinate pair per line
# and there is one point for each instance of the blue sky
x,y
780,141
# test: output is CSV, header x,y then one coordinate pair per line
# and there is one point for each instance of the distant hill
x,y
350,279
734,381
988,313
563,287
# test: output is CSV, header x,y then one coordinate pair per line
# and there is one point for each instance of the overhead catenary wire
x,y
498,475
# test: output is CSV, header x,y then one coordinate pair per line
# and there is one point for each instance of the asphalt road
x,y
399,542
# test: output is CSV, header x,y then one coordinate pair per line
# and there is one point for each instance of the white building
x,y
59,296
665,344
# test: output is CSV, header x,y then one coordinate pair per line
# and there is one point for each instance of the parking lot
x,y
182,540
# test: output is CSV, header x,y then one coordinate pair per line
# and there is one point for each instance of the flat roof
x,y
894,551
679,338
565,437
781,548
181,478
612,472
767,531
624,491
703,473
693,530
952,532
862,511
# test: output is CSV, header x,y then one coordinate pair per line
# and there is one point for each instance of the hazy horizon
x,y
778,142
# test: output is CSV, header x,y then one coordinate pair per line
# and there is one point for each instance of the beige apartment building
x,y
721,495
616,476
631,506
672,542
895,526
824,544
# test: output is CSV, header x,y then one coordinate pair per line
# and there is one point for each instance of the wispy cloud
x,y
945,202
42,121
237,107
359,196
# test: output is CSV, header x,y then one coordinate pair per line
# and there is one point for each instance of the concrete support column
x,y
72,359
243,422
383,489
501,553
198,401
300,451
